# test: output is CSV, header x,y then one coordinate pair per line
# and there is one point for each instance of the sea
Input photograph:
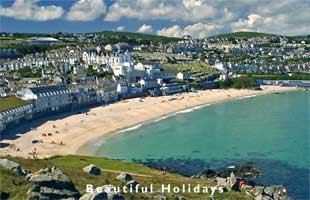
x,y
271,132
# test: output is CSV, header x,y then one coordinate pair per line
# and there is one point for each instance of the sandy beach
x,y
69,135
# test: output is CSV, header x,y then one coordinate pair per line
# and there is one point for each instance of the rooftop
x,y
49,88
11,102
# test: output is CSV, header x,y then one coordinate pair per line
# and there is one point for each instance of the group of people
x,y
13,146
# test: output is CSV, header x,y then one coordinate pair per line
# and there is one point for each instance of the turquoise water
x,y
270,130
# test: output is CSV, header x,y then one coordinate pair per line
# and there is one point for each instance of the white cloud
x,y
198,30
289,17
248,24
86,10
172,31
277,24
120,28
144,28
187,10
29,10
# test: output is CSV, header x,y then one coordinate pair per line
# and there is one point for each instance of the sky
x,y
198,18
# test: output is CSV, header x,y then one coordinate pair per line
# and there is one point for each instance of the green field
x,y
72,167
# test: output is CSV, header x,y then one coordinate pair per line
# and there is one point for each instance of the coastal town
x,y
60,93
58,73
154,99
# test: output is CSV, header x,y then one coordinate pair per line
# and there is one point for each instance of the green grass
x,y
140,36
72,167
244,35
192,68
10,102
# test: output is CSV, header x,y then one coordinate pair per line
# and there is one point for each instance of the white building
x,y
46,99
122,88
14,115
183,76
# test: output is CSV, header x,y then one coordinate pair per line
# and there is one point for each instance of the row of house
x,y
288,83
46,100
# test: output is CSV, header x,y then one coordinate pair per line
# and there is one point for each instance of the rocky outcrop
x,y
13,166
240,171
50,183
95,196
228,183
274,192
124,177
92,169
206,174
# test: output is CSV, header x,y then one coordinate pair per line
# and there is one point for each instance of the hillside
x,y
140,36
243,35
72,167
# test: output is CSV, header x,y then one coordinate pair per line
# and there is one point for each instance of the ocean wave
x,y
192,109
246,97
131,128
160,118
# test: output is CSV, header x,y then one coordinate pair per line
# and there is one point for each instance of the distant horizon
x,y
173,18
52,33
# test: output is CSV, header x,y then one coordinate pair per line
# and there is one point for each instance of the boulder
x,y
92,169
4,195
160,196
50,183
221,182
112,193
13,166
270,191
232,180
132,184
116,197
124,177
209,173
240,171
95,196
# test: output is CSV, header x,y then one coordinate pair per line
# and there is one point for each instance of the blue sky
x,y
199,18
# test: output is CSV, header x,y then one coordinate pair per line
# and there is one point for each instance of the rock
x,y
50,183
271,191
95,196
112,193
132,184
160,196
92,169
232,180
124,177
267,198
109,189
4,195
209,173
221,182
13,166
258,197
116,197
241,171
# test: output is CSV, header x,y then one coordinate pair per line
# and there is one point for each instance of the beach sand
x,y
75,131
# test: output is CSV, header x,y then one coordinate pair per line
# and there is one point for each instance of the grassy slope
x,y
244,35
72,167
154,38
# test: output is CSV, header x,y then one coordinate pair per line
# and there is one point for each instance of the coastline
x,y
77,131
